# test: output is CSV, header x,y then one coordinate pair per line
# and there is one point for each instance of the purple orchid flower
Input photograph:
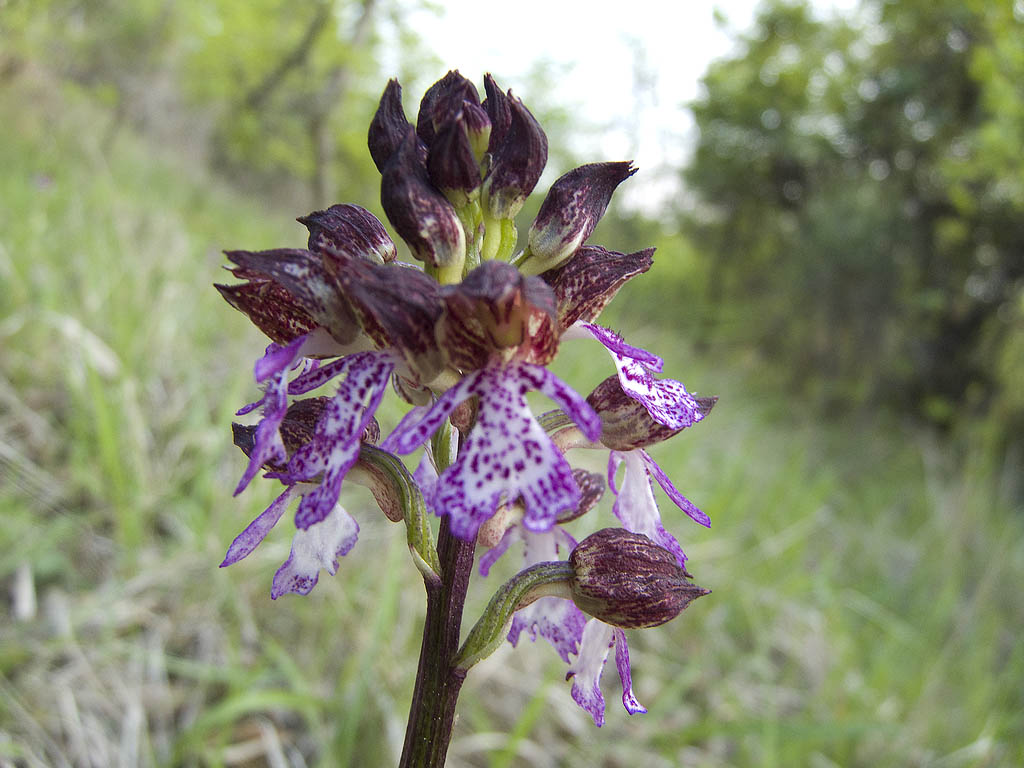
x,y
598,639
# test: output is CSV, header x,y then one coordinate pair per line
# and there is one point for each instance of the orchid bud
x,y
498,111
350,230
418,212
496,313
573,207
478,129
626,580
388,127
451,164
516,163
442,101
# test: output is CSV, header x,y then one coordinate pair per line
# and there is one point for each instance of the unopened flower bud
x,y
516,163
418,212
349,230
451,164
569,214
497,107
626,580
442,102
478,129
388,127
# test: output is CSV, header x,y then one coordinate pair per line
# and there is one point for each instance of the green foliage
x,y
859,202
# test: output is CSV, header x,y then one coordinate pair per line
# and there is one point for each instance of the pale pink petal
x,y
629,701
317,547
637,508
586,670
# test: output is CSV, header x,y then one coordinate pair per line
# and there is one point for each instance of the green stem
x,y
438,681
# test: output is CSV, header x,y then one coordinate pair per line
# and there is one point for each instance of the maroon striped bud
x,y
498,110
389,126
452,165
586,283
418,212
442,101
516,163
348,230
626,580
573,207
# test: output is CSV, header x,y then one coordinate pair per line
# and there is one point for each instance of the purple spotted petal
x,y
413,431
636,507
666,400
558,621
336,439
258,529
318,547
670,490
508,455
586,670
629,701
318,376
267,445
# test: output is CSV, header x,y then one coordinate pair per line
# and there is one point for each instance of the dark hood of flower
x,y
496,313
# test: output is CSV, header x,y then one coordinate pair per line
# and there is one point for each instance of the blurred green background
x,y
843,265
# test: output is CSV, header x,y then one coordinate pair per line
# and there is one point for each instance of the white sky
x,y
628,66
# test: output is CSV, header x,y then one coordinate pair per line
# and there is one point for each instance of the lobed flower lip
x,y
597,640
497,314
570,212
590,279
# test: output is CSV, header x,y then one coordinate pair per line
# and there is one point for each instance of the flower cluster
x,y
463,337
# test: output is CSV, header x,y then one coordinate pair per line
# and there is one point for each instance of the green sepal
x,y
414,509
551,579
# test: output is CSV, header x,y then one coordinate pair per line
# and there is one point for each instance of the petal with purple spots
x,y
558,621
586,670
629,701
637,508
670,490
336,438
318,547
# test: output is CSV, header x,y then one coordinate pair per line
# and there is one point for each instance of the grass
x,y
866,600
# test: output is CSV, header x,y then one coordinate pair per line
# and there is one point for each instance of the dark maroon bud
x,y
442,102
389,126
478,129
498,110
303,275
269,306
516,164
451,164
587,282
418,212
350,230
573,207
592,487
626,580
496,313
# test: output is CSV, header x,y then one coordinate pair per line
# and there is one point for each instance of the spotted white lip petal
x,y
336,438
636,506
629,701
670,490
557,620
317,547
508,455
257,530
267,446
586,670
666,400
